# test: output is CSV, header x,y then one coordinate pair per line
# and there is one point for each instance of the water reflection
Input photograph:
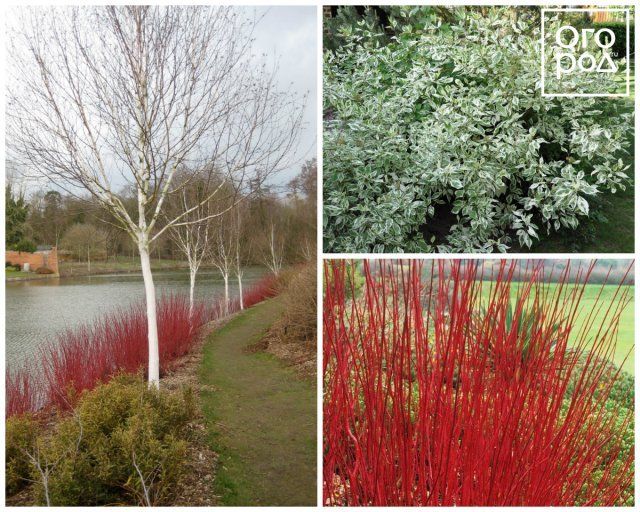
x,y
37,309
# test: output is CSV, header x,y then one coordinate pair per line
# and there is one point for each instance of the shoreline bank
x,y
101,272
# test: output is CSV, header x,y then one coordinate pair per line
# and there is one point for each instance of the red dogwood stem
x,y
463,383
80,358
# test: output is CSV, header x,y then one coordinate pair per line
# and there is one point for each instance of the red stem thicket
x,y
440,390
80,358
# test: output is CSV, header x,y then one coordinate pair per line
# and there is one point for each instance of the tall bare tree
x,y
273,255
193,238
103,98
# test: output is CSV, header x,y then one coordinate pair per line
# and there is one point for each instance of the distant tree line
x,y
82,229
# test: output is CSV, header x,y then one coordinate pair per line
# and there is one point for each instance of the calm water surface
x,y
35,310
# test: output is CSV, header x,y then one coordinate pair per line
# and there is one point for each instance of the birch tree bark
x,y
239,251
274,254
104,99
222,253
193,238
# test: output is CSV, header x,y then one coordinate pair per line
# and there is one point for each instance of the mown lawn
x,y
609,230
588,303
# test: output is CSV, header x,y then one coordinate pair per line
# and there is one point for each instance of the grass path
x,y
261,417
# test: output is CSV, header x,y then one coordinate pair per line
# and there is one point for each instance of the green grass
x,y
10,272
261,417
625,339
609,230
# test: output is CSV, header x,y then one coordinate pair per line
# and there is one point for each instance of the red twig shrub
x,y
78,359
444,390
264,289
21,394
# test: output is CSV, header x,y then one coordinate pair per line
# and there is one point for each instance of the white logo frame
x,y
584,95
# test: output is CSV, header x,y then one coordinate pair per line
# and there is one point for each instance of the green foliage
x,y
354,279
441,140
620,415
120,434
617,408
16,210
622,391
20,436
619,48
25,245
384,22
525,320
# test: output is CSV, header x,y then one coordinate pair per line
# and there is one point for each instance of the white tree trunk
x,y
226,293
240,291
192,286
152,322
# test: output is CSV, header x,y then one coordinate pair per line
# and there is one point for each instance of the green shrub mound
x,y
21,433
619,29
124,444
441,141
616,409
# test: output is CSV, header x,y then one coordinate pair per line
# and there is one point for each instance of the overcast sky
x,y
289,34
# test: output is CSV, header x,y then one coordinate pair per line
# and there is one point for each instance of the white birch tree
x,y
274,253
193,237
193,240
106,98
222,252
239,252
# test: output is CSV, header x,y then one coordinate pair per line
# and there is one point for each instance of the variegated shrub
x,y
441,141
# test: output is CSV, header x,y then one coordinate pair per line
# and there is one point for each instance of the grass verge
x,y
260,416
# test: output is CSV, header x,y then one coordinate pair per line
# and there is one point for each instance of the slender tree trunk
x,y
226,293
240,290
89,261
192,286
152,323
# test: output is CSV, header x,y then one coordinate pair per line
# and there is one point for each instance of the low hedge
x,y
619,48
123,444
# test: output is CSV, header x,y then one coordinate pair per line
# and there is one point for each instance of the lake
x,y
37,309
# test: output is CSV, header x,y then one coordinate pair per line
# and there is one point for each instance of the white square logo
x,y
582,59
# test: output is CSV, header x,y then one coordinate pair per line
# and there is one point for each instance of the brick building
x,y
43,257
